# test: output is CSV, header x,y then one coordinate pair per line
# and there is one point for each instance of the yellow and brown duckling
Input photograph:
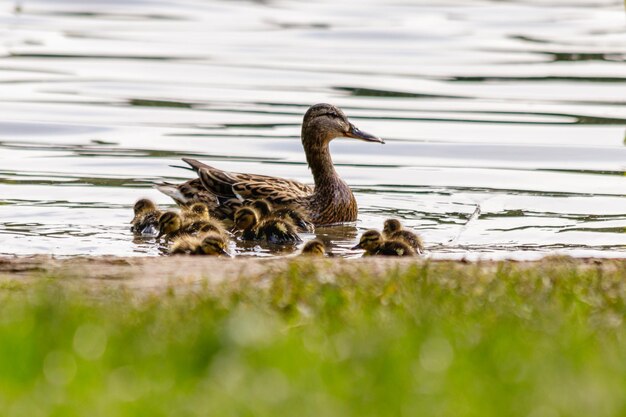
x,y
393,230
375,244
172,225
262,207
185,245
212,244
330,200
196,211
197,219
297,216
273,230
314,248
291,214
146,219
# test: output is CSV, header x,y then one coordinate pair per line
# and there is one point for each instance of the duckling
x,y
213,244
263,207
374,244
185,245
393,230
146,219
297,216
196,211
313,248
272,230
172,225
244,221
209,226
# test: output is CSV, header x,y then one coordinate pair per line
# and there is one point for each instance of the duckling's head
x,y
199,209
245,218
314,248
391,225
169,222
325,122
213,244
144,205
263,207
370,240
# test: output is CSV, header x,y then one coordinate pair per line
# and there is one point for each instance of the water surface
x,y
505,121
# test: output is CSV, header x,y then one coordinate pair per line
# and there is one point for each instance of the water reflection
x,y
489,107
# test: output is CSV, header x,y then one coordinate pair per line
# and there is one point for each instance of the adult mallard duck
x,y
393,230
329,201
375,244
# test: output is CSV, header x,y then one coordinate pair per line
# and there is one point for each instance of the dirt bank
x,y
161,273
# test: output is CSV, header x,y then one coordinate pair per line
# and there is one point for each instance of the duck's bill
x,y
356,133
357,247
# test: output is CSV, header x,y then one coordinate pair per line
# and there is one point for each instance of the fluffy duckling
x,y
185,245
209,226
393,230
172,225
291,214
297,216
272,230
196,211
314,248
214,245
146,219
374,244
262,207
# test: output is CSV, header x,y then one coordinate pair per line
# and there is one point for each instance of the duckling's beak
x,y
224,253
355,133
358,246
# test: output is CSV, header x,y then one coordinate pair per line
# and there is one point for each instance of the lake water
x,y
505,121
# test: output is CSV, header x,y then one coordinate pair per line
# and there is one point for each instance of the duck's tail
x,y
172,191
196,165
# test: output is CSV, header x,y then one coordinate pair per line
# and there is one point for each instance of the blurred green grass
x,y
437,339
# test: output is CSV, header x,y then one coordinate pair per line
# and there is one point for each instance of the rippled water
x,y
505,120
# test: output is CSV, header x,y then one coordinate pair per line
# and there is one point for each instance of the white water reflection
x,y
516,108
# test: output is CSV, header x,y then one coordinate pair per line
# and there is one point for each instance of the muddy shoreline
x,y
160,273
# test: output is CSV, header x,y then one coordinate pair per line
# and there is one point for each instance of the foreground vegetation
x,y
438,339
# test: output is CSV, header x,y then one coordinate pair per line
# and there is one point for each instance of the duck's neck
x,y
332,200
320,162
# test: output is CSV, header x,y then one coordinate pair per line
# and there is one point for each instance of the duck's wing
x,y
278,191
